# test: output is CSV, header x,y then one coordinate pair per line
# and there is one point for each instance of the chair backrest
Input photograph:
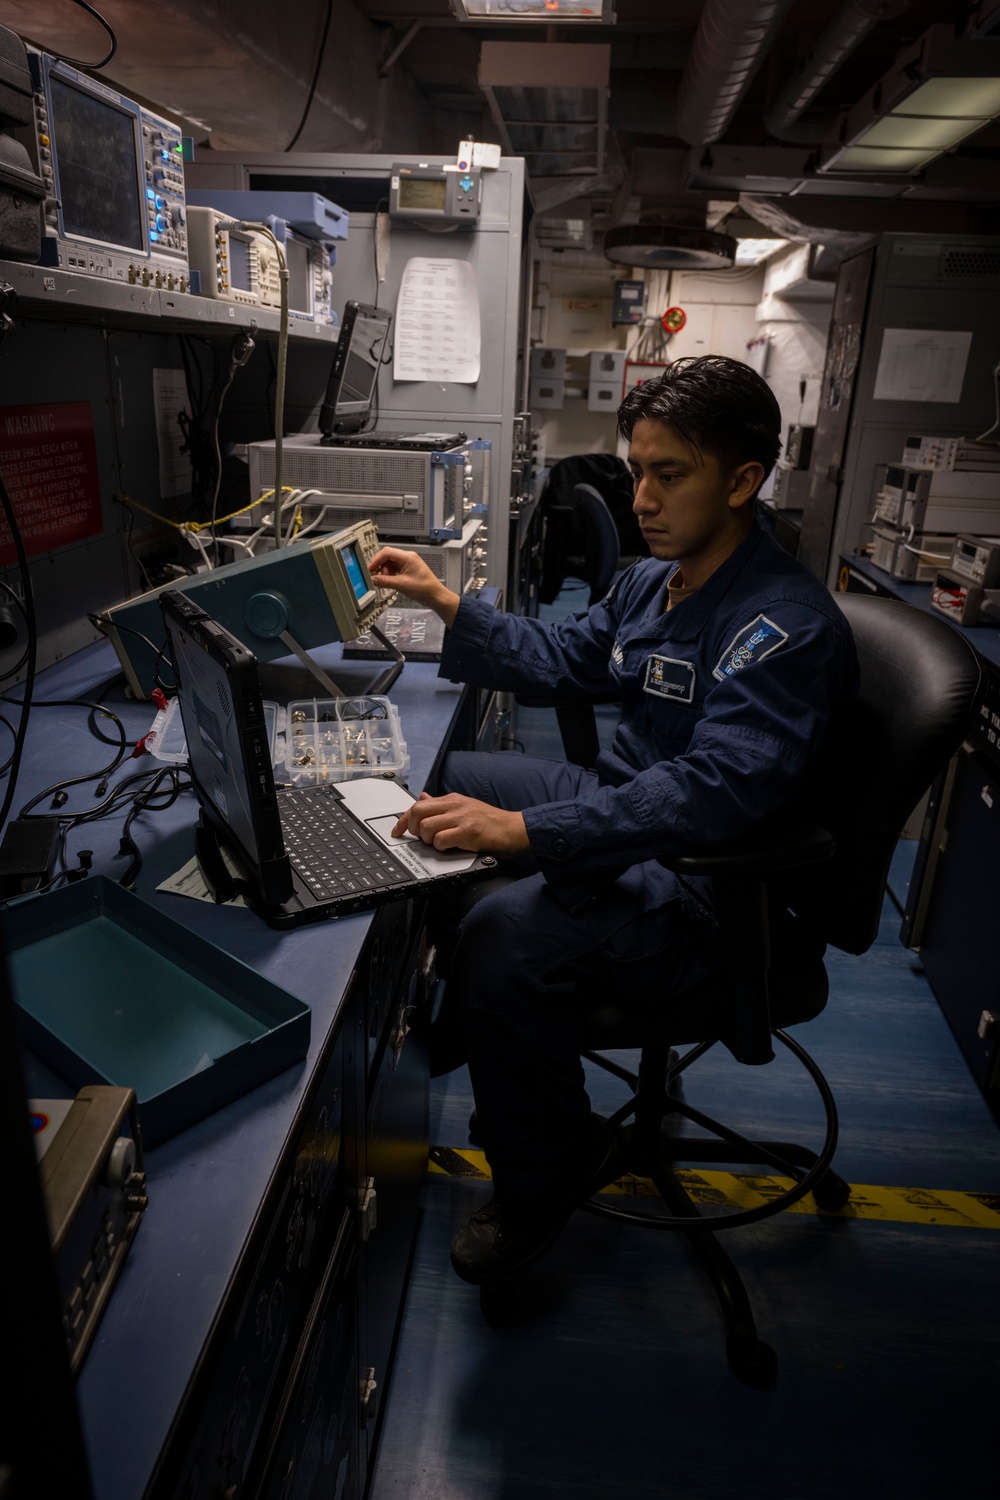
x,y
920,681
600,540
609,476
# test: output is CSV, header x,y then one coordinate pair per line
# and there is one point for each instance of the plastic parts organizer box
x,y
313,739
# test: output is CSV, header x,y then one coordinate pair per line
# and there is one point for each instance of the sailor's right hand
x,y
396,568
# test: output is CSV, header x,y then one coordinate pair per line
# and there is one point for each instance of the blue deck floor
x,y
614,1384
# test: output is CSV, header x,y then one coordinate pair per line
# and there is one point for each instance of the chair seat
x,y
798,992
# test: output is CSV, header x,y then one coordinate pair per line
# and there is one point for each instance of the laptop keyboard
x,y
330,851
379,437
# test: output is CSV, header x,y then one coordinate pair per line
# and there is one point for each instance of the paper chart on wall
x,y
437,334
922,364
170,403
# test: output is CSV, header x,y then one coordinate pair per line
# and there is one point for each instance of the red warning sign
x,y
48,460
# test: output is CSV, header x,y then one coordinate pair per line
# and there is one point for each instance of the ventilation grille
x,y
339,471
968,263
222,692
315,468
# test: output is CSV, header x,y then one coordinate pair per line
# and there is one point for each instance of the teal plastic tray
x,y
109,990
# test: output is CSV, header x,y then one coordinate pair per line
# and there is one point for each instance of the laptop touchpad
x,y
420,858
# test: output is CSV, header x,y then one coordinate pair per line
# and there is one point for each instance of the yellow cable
x,y
200,525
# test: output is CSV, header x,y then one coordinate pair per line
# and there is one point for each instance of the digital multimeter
x,y
435,197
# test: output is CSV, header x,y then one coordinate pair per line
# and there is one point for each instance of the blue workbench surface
x,y
985,638
206,1185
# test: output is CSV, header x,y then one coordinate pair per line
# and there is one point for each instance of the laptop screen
x,y
214,739
354,377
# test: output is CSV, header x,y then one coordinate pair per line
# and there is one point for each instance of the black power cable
x,y
93,66
15,599
28,606
99,776
316,72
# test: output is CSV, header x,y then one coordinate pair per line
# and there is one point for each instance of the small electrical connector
x,y
60,799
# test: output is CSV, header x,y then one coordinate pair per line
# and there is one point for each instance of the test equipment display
x,y
978,559
435,197
416,494
350,393
931,499
95,1192
113,175
306,225
230,264
911,556
961,454
308,594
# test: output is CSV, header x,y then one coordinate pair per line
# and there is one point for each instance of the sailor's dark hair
x,y
719,405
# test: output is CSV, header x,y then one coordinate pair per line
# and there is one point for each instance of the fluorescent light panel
x,y
926,118
953,98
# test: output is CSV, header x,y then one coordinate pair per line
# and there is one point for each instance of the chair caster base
x,y
753,1362
498,1303
831,1193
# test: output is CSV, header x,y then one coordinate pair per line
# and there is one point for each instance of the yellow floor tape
x,y
739,1190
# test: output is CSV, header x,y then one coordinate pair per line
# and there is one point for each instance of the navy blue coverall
x,y
725,701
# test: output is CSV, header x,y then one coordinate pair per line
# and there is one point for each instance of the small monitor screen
x,y
361,364
239,264
95,148
297,261
351,391
354,571
423,192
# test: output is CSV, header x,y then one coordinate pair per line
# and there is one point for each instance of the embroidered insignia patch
x,y
666,677
751,643
617,655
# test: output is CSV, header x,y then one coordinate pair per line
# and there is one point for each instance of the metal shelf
x,y
50,293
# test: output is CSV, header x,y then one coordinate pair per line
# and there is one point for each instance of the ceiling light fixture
x,y
662,247
937,93
752,252
529,12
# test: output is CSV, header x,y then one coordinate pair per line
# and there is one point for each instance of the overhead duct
x,y
838,244
730,44
847,28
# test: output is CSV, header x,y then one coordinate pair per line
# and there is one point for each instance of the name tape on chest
x,y
750,643
668,677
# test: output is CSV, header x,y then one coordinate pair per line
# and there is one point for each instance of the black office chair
x,y
609,477
594,560
827,860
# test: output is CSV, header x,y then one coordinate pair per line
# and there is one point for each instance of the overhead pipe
x,y
846,29
730,44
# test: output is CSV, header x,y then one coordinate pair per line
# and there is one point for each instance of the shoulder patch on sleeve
x,y
752,642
